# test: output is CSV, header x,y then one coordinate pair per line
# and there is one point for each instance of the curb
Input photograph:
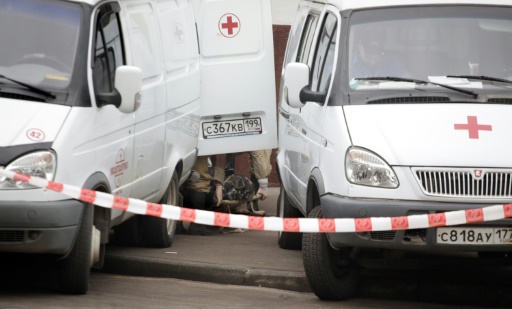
x,y
214,273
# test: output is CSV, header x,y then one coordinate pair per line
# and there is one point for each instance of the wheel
x,y
75,269
129,233
288,240
332,274
159,232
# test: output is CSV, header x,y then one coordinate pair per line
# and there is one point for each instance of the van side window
x,y
325,53
108,52
307,38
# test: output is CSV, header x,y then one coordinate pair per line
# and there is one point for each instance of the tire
x,y
75,269
332,274
129,233
288,240
159,232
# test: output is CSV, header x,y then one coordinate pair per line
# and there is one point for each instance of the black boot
x,y
180,229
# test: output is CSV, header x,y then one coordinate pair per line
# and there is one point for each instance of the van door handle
x,y
304,132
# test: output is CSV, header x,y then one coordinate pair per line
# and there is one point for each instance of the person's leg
x,y
256,185
201,201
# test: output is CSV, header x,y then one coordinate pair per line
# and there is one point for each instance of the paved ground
x,y
250,258
253,258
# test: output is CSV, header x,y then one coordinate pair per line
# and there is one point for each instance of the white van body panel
x,y
107,151
406,134
337,141
142,29
237,74
183,80
30,122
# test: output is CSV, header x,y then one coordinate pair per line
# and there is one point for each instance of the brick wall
x,y
242,161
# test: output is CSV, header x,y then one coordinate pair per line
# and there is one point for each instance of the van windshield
x,y
466,47
39,42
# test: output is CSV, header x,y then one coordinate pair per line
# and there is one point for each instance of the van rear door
x,y
238,96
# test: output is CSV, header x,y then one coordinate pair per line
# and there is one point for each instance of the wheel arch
x,y
99,182
316,189
179,168
174,163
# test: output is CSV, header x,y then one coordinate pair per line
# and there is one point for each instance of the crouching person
x,y
202,187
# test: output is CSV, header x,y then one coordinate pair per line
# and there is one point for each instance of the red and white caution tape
x,y
304,225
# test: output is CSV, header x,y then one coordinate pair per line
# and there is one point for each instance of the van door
x,y
146,53
106,130
238,96
182,79
322,64
293,128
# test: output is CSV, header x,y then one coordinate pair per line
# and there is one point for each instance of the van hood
x,y
440,135
23,122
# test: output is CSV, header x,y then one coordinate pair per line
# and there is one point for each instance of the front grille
x,y
12,236
500,100
465,183
385,235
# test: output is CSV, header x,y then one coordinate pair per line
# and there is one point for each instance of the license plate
x,y
474,236
229,128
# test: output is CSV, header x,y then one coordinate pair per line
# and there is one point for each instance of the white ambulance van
x,y
107,95
394,108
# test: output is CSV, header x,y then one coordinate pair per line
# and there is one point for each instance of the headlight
x,y
366,168
40,164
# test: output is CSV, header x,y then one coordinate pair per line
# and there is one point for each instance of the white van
x,y
108,95
394,108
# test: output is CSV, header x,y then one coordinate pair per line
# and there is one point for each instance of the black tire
x,y
159,232
75,269
128,233
288,240
332,274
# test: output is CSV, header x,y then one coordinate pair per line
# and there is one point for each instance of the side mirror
x,y
129,85
296,77
307,95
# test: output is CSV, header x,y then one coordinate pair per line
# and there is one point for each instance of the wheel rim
x,y
172,199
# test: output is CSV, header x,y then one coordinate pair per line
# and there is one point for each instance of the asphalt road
x,y
115,291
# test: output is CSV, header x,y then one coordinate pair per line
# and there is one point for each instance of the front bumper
x,y
39,227
342,207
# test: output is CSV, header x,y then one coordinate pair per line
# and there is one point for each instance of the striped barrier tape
x,y
303,225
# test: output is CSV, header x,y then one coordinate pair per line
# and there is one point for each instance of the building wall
x,y
283,12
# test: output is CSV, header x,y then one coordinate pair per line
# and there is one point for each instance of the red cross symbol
x,y
229,25
473,127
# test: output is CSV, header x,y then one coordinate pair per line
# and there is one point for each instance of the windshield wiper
x,y
482,77
33,88
419,81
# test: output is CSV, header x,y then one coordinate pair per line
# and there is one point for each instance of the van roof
x,y
91,2
361,4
